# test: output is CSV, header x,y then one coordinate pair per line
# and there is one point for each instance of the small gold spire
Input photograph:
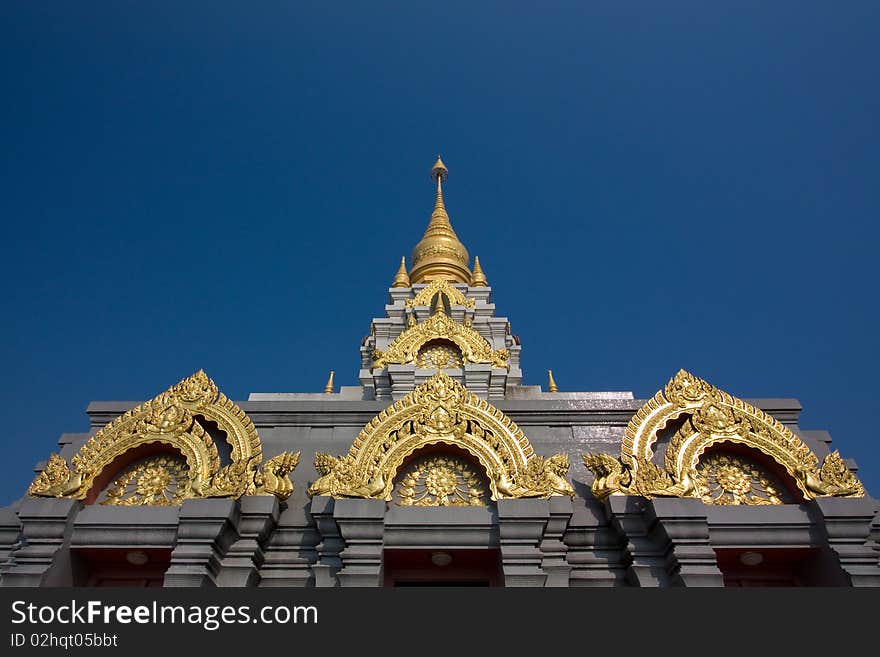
x,y
440,254
328,389
401,279
478,278
439,170
552,387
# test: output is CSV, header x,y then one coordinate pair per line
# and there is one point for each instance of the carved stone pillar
x,y
476,379
521,526
848,527
207,528
690,559
242,563
330,542
45,558
10,533
647,559
362,526
553,549
402,378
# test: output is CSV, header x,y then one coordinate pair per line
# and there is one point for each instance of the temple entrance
x,y
442,567
779,567
129,567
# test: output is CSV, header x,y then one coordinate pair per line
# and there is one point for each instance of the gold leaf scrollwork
x,y
711,416
474,347
173,419
441,411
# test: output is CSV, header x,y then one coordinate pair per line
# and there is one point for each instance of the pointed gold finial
x,y
401,279
439,170
440,254
552,387
478,278
328,389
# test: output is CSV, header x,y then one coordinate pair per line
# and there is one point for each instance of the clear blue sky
x,y
230,186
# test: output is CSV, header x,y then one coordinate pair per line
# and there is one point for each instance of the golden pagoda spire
x,y
401,279
478,279
328,389
552,387
440,254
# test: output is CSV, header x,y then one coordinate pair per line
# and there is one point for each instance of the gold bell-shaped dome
x,y
440,254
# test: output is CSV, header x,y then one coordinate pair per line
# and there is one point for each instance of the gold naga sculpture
x,y
474,347
172,418
441,411
711,416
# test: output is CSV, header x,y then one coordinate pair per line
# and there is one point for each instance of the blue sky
x,y
230,186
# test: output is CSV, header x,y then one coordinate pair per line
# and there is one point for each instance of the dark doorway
x,y
778,567
442,567
130,567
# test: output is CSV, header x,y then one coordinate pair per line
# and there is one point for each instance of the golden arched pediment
x,y
441,411
172,418
441,286
474,347
711,416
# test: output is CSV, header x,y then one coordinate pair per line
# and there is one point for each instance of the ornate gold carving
x,y
727,479
441,481
156,481
56,479
171,418
273,479
474,347
440,286
438,356
441,411
711,416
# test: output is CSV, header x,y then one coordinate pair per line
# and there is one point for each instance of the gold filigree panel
x,y
171,418
453,295
710,416
441,411
441,481
439,356
474,347
728,479
154,481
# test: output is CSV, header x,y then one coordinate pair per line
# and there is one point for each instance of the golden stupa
x,y
440,254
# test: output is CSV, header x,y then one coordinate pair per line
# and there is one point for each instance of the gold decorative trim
x,y
474,347
171,418
711,416
441,411
455,296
